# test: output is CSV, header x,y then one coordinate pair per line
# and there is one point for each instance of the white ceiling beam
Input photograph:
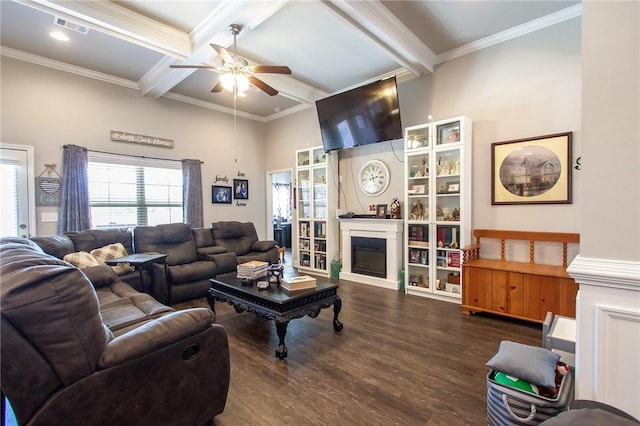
x,y
375,21
120,22
213,29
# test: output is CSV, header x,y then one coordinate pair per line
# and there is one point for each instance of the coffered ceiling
x,y
330,46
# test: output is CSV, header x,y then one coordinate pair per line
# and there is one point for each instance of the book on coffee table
x,y
298,283
252,270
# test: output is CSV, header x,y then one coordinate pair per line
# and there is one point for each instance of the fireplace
x,y
371,251
369,256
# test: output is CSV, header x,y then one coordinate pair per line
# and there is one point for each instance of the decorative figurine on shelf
x,y
395,209
372,207
425,168
417,212
456,214
440,244
454,244
439,214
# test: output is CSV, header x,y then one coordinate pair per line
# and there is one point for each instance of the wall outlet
x,y
49,217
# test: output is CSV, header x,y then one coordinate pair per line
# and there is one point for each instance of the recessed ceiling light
x,y
58,35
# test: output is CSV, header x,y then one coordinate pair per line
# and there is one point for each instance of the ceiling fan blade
x,y
217,88
272,69
262,86
206,67
224,54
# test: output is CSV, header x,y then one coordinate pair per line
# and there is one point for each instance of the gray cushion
x,y
535,365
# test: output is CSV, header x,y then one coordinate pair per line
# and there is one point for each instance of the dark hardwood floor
x,y
400,360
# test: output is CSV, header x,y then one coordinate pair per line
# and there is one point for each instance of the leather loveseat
x,y
67,358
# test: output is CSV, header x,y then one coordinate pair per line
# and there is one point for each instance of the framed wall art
x,y
240,189
220,194
532,171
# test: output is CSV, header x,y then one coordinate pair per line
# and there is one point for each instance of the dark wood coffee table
x,y
275,303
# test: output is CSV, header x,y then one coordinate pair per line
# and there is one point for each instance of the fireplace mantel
x,y
388,229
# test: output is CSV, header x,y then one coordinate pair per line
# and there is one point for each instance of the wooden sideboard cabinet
x,y
518,289
516,294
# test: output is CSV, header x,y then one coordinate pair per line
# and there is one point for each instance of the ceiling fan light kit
x,y
235,82
236,76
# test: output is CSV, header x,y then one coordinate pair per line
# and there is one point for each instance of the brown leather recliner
x,y
242,239
62,364
186,277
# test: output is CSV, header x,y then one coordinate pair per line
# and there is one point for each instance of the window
x,y
134,191
9,179
281,201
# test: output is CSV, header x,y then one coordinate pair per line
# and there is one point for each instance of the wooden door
x,y
515,294
567,294
532,301
476,287
499,291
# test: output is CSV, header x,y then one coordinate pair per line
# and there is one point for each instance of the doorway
x,y
280,206
17,185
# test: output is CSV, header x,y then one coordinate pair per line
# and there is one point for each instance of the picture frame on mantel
x,y
532,171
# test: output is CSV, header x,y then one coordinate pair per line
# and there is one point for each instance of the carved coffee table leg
x,y
281,329
337,305
212,304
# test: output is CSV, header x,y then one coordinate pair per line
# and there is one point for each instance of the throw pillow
x,y
110,252
535,365
81,259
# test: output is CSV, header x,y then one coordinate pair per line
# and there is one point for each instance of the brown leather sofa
x,y
103,355
71,242
194,255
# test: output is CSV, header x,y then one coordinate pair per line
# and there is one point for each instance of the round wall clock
x,y
374,177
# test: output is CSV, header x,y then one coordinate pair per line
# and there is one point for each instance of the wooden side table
x,y
141,261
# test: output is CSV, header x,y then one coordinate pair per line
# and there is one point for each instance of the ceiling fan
x,y
235,72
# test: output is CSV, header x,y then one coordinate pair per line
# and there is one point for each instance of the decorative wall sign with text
x,y
48,188
117,136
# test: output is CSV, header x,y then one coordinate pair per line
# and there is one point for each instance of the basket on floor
x,y
510,406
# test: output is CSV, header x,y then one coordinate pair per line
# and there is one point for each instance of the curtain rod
x,y
129,155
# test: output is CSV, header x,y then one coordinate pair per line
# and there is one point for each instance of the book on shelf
x,y
454,259
300,282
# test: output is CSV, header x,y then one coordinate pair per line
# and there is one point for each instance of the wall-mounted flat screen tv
x,y
360,116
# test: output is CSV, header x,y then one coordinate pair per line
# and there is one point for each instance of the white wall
x,y
47,109
526,87
608,268
611,127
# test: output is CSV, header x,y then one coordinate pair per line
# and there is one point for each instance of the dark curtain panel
x,y
192,193
75,214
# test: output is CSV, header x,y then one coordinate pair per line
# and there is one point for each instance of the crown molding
x,y
382,27
63,66
215,107
511,33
